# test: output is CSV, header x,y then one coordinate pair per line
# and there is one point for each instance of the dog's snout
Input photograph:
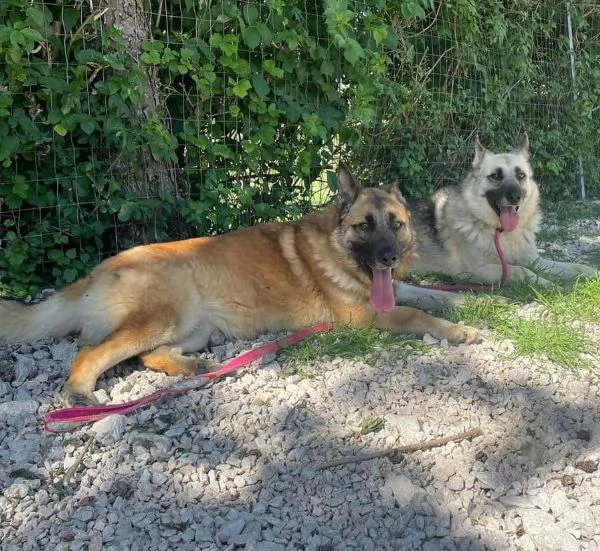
x,y
388,257
513,195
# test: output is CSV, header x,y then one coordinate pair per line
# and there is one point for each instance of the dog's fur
x,y
160,301
455,229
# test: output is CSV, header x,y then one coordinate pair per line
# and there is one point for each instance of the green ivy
x,y
260,98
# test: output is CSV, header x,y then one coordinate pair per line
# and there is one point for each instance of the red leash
x,y
477,288
67,419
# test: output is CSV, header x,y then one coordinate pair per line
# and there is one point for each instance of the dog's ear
x,y
480,153
348,189
393,189
524,149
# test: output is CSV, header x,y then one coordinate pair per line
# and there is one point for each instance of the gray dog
x,y
455,229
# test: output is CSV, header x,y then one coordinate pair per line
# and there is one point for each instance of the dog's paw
x,y
581,270
73,398
205,365
458,334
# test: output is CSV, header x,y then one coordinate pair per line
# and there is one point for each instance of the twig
x,y
427,445
73,468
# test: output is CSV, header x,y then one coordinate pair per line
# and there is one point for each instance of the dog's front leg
x,y
406,320
491,274
565,271
425,298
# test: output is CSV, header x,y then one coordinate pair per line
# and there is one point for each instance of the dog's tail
x,y
57,316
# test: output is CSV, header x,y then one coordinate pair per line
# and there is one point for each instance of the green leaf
x,y
260,85
379,34
265,33
69,17
327,68
8,147
70,275
241,88
270,67
32,35
391,39
60,130
88,126
125,212
21,189
251,13
353,51
56,255
14,55
40,17
222,150
252,37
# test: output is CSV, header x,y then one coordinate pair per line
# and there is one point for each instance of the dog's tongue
x,y
382,293
509,219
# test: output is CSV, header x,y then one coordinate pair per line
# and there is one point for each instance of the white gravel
x,y
235,465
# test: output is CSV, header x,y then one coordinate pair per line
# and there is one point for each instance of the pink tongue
x,y
382,293
509,219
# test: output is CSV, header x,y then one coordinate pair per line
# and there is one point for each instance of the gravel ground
x,y
236,465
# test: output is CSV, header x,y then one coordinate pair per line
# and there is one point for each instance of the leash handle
x,y
67,419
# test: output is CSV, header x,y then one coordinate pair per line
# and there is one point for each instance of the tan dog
x,y
160,301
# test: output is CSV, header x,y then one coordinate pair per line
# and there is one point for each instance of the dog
x,y
161,301
455,229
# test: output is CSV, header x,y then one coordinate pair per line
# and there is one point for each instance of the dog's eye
x,y
520,175
496,175
363,227
397,224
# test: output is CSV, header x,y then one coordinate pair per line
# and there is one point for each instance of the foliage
x,y
497,70
255,100
260,98
67,117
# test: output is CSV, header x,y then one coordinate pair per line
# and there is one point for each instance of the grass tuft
x,y
365,343
554,332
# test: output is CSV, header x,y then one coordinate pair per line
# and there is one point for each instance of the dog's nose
x,y
512,194
513,197
388,258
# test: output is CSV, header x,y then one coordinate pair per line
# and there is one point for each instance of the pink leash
x,y
67,419
477,288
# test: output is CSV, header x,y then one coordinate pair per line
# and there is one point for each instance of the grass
x,y
366,343
555,332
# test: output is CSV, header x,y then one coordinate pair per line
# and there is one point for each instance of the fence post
x,y
573,79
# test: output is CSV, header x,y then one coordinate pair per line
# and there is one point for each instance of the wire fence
x,y
121,124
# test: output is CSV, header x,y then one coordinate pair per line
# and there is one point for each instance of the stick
x,y
427,445
73,468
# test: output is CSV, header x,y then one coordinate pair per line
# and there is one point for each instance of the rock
x,y
110,429
409,426
519,502
25,368
403,490
455,483
428,339
542,529
15,413
230,530
63,352
490,480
